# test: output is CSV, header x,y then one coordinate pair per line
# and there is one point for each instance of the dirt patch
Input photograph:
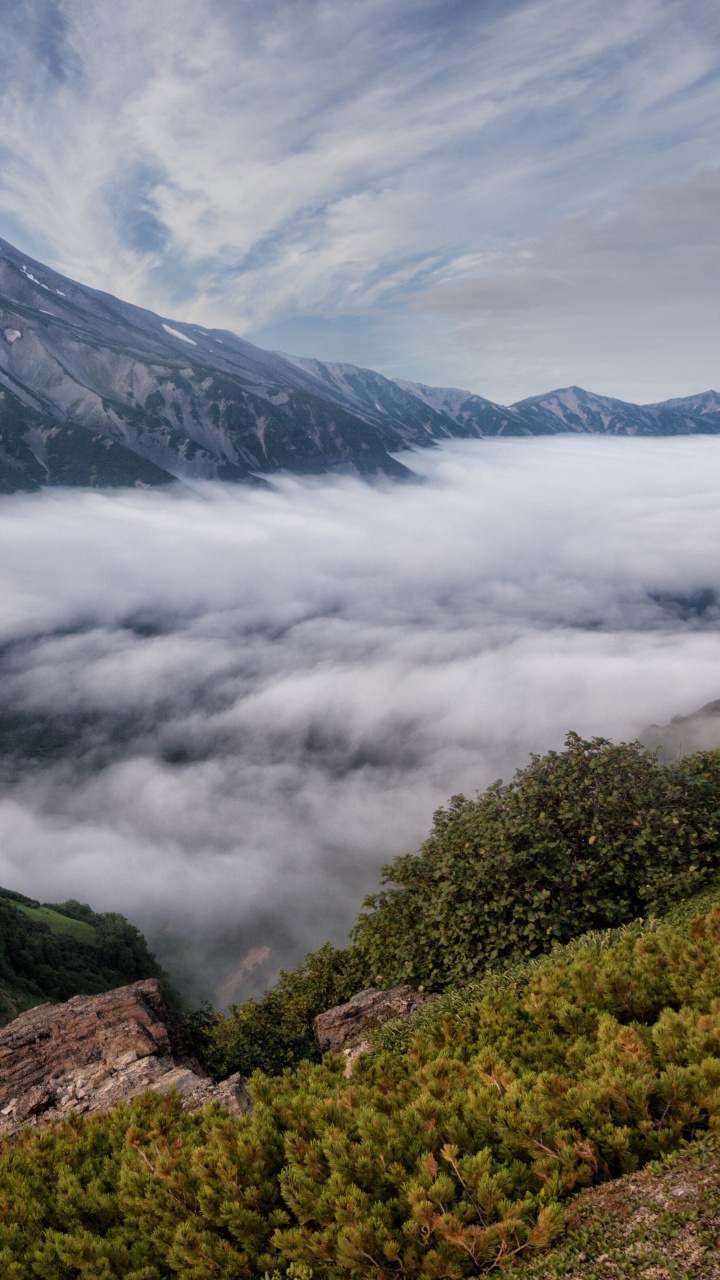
x,y
662,1224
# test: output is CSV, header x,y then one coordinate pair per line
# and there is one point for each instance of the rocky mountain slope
x,y
94,391
684,735
573,409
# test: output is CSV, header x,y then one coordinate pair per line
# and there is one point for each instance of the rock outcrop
x,y
95,1051
345,1028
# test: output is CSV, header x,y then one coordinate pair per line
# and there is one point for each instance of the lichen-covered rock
x,y
345,1028
93,1052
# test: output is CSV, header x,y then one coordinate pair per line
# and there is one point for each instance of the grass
x,y
80,930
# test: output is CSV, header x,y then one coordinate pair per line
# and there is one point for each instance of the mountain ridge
x,y
97,391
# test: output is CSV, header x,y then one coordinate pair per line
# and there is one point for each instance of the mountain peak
x,y
94,390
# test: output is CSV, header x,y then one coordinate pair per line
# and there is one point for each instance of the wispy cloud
x,y
269,164
224,710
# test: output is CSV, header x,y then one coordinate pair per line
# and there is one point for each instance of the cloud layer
x,y
223,709
388,184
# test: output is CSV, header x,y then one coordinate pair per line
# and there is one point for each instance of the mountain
x,y
684,735
94,391
573,409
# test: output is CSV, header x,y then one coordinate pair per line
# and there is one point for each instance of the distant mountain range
x,y
94,391
684,735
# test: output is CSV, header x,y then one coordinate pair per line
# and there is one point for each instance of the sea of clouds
x,y
224,709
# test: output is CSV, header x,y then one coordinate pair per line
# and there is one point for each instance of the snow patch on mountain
x,y
177,334
34,280
445,399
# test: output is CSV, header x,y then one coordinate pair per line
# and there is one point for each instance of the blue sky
x,y
503,196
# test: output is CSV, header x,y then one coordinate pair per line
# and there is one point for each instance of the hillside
x,y
589,838
95,391
660,1223
453,1155
569,1050
54,951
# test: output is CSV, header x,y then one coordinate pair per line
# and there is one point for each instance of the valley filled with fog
x,y
223,708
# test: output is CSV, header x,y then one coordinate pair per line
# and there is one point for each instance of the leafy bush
x,y
588,838
446,1161
278,1030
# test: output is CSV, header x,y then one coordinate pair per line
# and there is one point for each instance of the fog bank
x,y
224,709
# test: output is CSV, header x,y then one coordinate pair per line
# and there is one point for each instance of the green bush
x,y
587,838
278,1030
446,1161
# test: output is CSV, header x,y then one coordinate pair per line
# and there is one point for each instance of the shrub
x,y
278,1030
446,1161
588,838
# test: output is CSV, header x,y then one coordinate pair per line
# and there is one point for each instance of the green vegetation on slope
x,y
54,951
448,1160
81,930
77,456
19,468
588,838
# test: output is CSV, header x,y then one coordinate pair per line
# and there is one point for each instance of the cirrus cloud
x,y
305,172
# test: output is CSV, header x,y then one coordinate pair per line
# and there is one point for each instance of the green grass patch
x,y
80,930
52,951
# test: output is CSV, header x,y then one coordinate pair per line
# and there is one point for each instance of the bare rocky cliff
x,y
93,1052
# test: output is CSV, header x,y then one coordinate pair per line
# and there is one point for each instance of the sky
x,y
504,196
224,709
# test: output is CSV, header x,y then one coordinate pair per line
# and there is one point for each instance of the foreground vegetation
x,y
662,1223
459,1141
449,1159
588,838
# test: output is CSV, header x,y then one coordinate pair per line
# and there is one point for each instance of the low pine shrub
x,y
447,1160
